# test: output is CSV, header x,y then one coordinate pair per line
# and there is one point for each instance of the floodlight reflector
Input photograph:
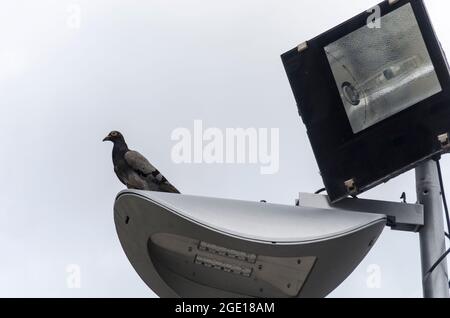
x,y
380,72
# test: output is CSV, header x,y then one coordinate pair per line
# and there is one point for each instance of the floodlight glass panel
x,y
382,71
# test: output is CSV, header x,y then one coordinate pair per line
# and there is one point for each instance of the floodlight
x,y
188,246
375,100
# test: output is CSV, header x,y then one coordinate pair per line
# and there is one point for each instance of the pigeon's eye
x,y
114,134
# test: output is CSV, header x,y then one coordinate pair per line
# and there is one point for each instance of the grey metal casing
x,y
401,216
336,240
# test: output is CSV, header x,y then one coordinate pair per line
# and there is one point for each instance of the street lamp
x,y
374,97
188,246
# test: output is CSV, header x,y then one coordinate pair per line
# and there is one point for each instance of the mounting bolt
x,y
444,141
392,2
350,185
302,47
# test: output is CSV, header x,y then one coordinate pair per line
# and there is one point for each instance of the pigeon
x,y
134,170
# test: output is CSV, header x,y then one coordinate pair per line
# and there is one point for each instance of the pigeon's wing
x,y
144,168
140,164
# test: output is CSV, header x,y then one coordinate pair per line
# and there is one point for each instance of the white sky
x,y
146,68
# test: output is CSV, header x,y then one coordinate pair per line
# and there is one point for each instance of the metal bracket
x,y
350,185
444,141
302,47
401,216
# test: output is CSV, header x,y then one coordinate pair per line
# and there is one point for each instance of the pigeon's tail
x,y
167,187
163,184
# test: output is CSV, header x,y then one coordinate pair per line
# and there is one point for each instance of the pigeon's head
x,y
114,136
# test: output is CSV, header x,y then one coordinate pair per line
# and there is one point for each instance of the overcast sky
x,y
146,68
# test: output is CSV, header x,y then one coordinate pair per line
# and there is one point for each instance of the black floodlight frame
x,y
351,163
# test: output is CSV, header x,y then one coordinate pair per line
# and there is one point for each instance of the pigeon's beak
x,y
107,138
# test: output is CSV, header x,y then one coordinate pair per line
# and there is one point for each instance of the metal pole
x,y
432,238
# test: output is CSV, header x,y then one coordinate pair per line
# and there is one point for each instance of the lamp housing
x,y
374,96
